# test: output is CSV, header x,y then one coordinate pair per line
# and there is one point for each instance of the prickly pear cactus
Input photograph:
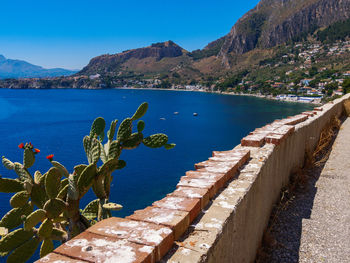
x,y
46,205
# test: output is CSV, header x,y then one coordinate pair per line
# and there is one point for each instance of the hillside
x,y
11,68
269,24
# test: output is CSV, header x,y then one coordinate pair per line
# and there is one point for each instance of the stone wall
x,y
219,211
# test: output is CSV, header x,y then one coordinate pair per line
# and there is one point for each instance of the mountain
x,y
10,68
273,22
269,24
141,58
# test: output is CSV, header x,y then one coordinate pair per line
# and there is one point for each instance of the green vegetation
x,y
209,51
337,31
46,206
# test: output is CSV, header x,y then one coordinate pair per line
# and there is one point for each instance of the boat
x,y
195,114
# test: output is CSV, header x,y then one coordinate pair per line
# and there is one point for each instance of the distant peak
x,y
2,58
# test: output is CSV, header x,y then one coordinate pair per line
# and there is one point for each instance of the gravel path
x,y
315,226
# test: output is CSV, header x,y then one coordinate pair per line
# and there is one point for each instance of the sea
x,y
56,120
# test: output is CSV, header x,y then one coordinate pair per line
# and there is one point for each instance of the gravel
x,y
314,225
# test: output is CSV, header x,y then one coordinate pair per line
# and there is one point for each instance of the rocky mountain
x,y
150,55
270,23
11,68
273,22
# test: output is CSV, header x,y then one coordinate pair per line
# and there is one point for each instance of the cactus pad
x,y
34,218
12,218
22,173
14,239
112,206
90,211
10,185
24,252
38,195
19,199
52,182
155,140
140,126
86,178
133,141
169,146
125,130
54,207
28,158
58,234
61,168
97,127
142,109
111,132
46,247
8,164
114,150
45,229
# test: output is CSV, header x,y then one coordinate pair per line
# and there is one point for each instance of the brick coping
x,y
149,234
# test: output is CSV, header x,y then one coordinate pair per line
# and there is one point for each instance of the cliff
x,y
273,22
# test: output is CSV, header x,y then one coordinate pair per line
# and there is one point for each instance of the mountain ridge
x,y
270,23
13,68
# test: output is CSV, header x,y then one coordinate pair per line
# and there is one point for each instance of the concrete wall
x,y
242,219
219,212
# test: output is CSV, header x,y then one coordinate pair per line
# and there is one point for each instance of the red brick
x,y
159,237
198,183
220,178
96,248
318,109
285,130
295,119
190,205
177,220
256,140
275,138
196,193
308,113
56,258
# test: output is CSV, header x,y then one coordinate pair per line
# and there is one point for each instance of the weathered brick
x,y
285,130
190,205
201,194
255,140
295,119
96,248
56,258
220,178
177,220
275,138
157,236
186,181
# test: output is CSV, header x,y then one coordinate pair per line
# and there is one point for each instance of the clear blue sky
x,y
68,34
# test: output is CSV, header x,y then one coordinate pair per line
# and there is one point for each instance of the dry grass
x,y
298,182
347,107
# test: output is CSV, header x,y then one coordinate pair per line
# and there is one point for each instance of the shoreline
x,y
180,90
224,93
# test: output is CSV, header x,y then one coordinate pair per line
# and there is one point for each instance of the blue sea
x,y
55,121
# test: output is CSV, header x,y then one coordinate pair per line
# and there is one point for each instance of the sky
x,y
68,34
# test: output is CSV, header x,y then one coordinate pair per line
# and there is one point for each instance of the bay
x,y
55,121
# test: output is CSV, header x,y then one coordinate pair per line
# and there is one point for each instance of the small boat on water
x,y
163,119
195,114
176,112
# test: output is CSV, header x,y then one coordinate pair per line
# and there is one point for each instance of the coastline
x,y
224,93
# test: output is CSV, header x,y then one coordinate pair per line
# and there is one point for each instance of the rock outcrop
x,y
273,22
106,63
